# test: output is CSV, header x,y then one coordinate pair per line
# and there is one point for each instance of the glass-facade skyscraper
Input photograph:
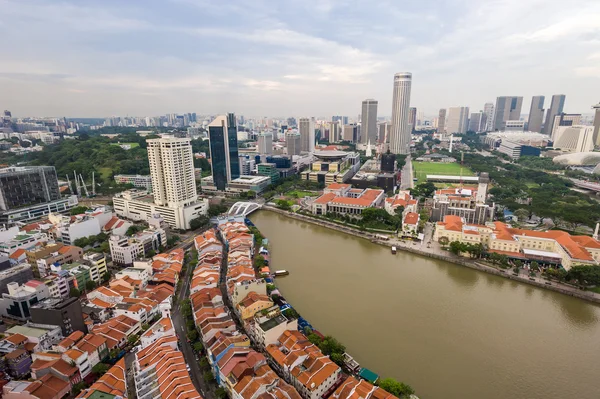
x,y
224,150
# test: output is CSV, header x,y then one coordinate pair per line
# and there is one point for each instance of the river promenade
x,y
434,251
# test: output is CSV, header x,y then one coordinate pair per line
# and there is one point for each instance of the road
x,y
196,374
406,182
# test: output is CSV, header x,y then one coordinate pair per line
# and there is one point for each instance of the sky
x,y
281,58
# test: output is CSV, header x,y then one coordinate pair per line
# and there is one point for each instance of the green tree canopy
x,y
396,388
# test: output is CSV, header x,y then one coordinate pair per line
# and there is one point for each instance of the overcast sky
x,y
291,57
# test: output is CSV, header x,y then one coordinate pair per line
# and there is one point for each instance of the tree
x,y
208,377
216,210
82,242
74,293
399,389
283,204
79,210
90,285
100,368
443,241
114,353
145,326
151,253
132,230
106,277
314,339
198,347
585,275
77,388
221,393
199,222
291,314
535,266
259,261
337,358
521,214
204,364
251,194
132,339
192,335
330,345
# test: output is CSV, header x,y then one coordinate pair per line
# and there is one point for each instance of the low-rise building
x,y
80,359
140,181
41,336
112,385
313,374
353,388
351,203
125,250
65,313
267,328
67,229
17,302
252,304
19,274
42,258
332,166
47,387
410,224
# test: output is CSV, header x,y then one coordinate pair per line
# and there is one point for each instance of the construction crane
x,y
69,183
77,184
87,194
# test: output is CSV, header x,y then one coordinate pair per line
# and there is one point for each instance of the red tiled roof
x,y
325,198
411,218
17,254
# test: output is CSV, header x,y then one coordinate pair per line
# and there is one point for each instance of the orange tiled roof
x,y
16,339
411,218
325,198
337,186
17,254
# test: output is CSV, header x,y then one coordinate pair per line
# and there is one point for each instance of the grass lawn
x,y
300,194
132,145
422,169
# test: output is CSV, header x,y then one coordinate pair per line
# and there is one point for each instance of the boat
x,y
394,249
281,273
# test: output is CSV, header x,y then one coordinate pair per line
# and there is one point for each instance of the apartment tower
x,y
306,127
172,171
507,109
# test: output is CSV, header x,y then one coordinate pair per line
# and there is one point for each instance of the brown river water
x,y
448,331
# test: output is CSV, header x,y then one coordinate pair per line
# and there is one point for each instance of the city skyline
x,y
169,56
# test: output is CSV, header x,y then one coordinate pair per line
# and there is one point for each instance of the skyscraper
x,y
564,120
384,131
224,150
556,107
412,118
507,109
265,143
477,122
368,124
400,134
172,171
596,124
458,118
536,114
335,132
441,129
488,110
306,126
293,143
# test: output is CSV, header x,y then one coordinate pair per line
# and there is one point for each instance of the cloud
x,y
292,57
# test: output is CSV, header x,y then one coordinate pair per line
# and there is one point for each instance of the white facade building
x,y
400,134
140,181
574,138
265,143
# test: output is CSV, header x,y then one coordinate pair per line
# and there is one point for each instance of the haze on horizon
x,y
80,58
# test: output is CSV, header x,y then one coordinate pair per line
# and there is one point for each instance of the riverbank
x,y
472,264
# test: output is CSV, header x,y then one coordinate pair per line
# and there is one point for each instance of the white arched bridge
x,y
243,208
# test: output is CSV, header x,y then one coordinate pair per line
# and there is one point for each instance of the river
x,y
448,331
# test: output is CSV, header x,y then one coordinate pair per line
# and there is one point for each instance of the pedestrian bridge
x,y
243,208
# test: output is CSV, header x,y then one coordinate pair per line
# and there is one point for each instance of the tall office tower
x,y
441,125
412,118
265,143
596,135
420,118
335,132
458,118
224,150
306,126
488,110
6,118
536,114
293,143
368,126
400,134
507,109
172,171
476,122
556,107
564,120
384,131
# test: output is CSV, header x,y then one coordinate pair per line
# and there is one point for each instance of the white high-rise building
x,y
596,109
265,143
400,134
368,124
306,127
458,118
172,171
175,197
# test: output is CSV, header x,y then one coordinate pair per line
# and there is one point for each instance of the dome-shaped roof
x,y
578,158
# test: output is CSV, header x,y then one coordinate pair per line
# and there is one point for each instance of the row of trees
x,y
457,247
